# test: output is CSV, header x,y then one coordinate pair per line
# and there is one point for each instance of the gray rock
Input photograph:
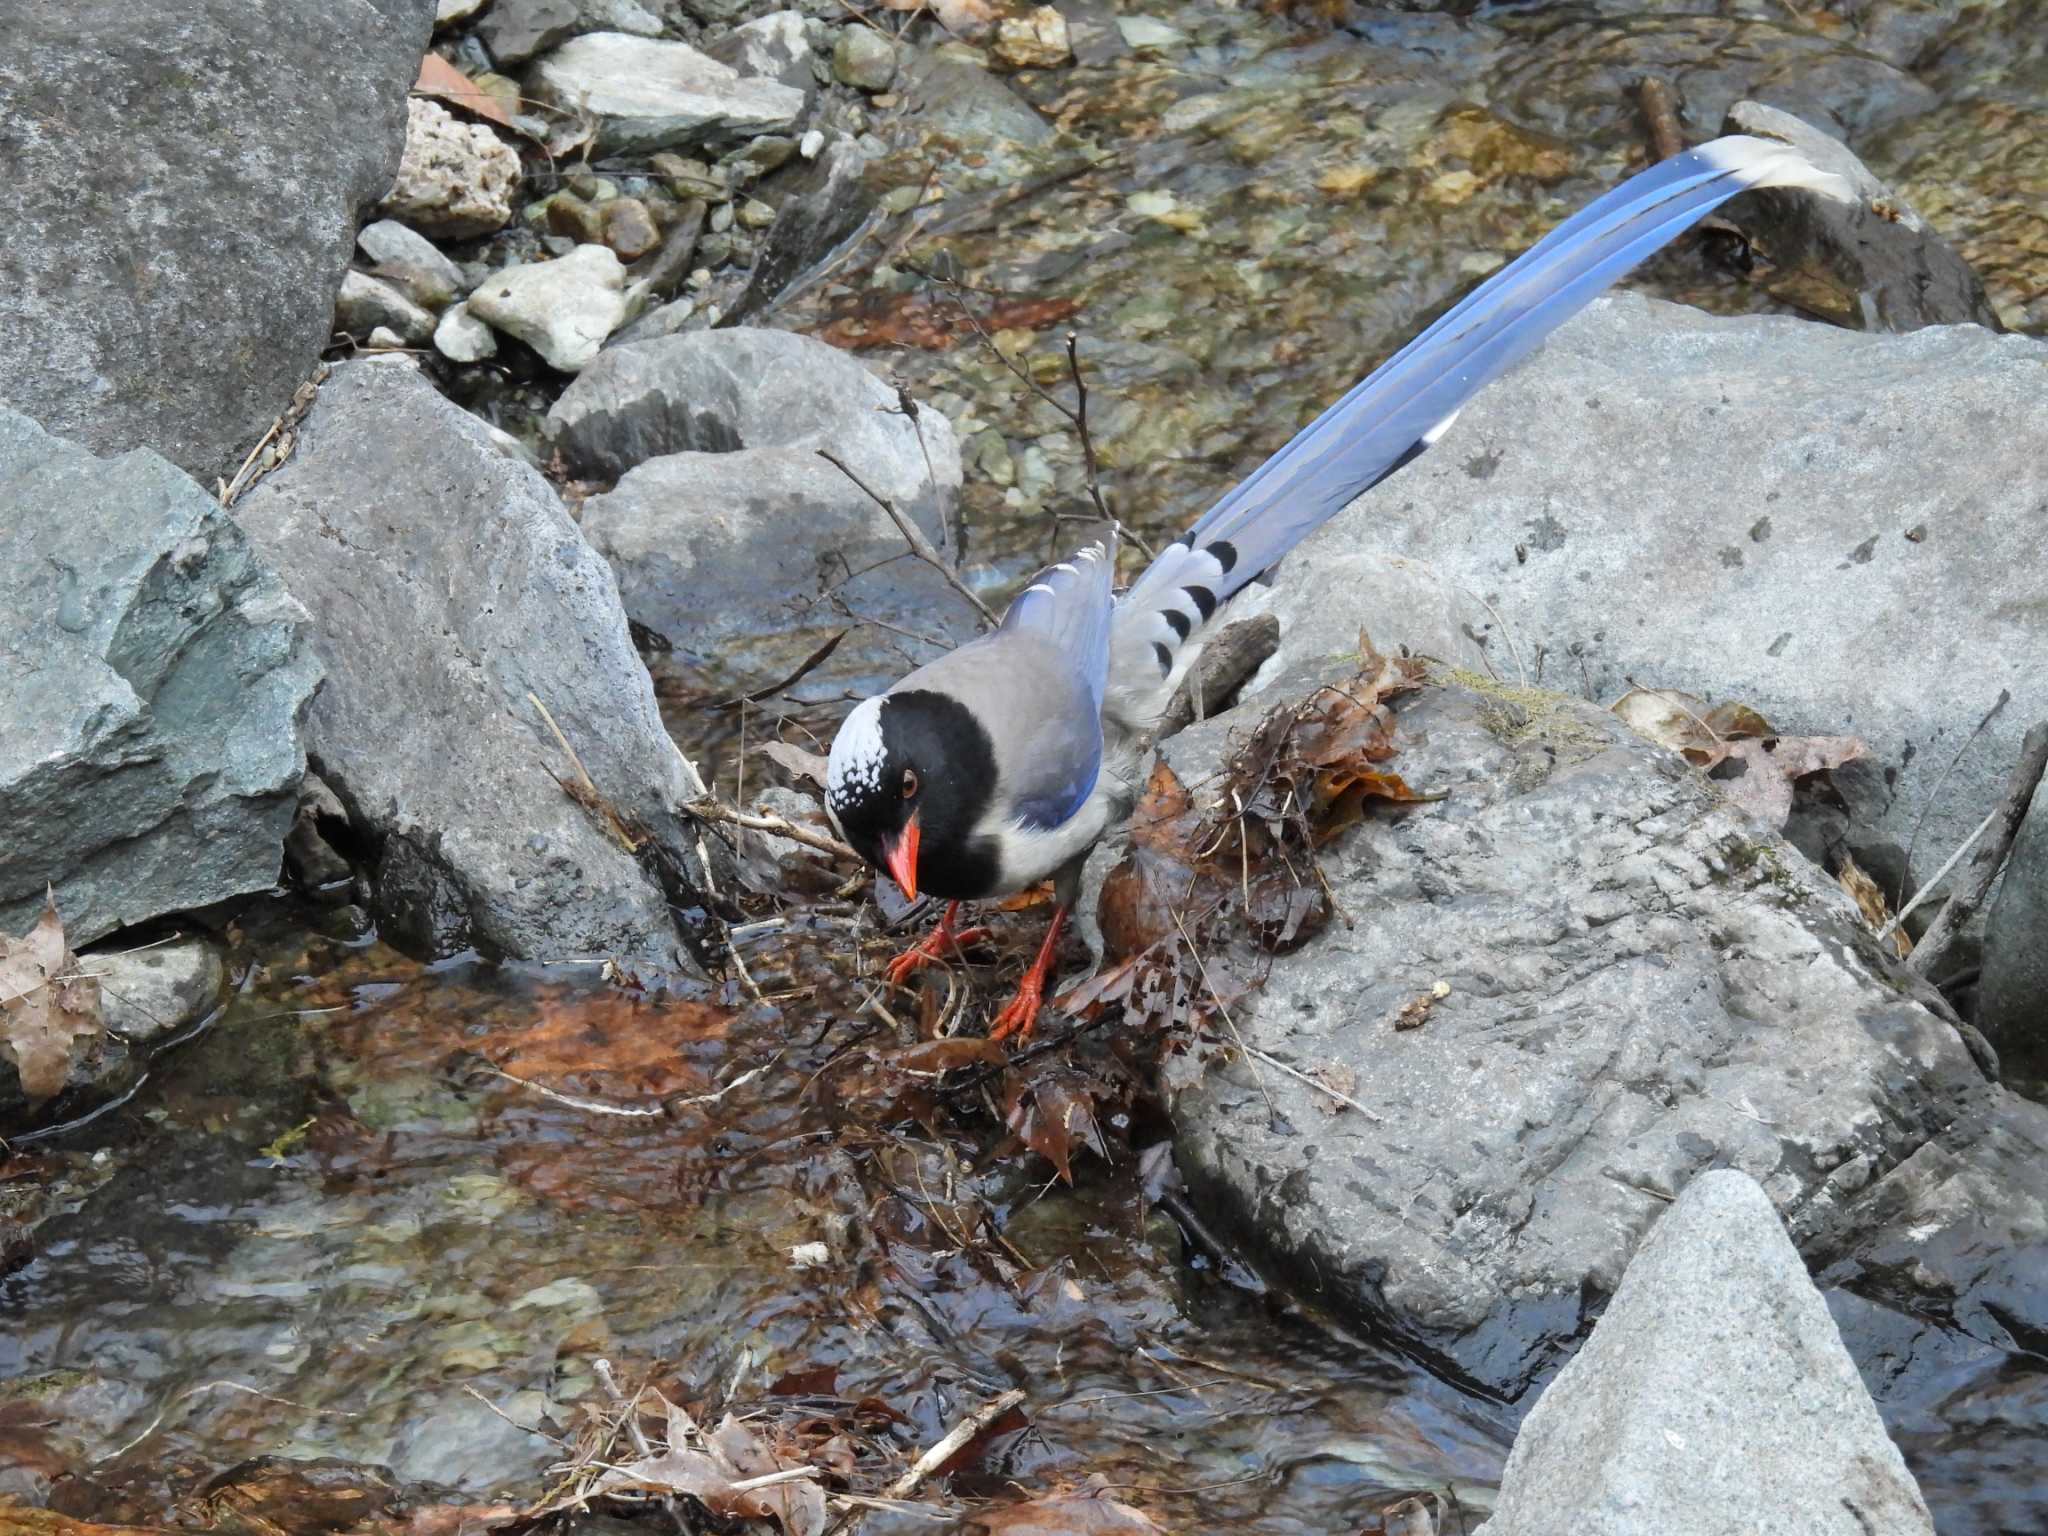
x,y
774,47
863,58
827,202
1885,267
449,591
2012,998
169,268
388,242
516,30
646,95
456,178
1642,984
1714,1398
731,526
1745,509
365,303
563,309
957,100
462,338
149,993
153,677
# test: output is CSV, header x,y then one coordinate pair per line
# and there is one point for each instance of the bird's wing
x,y
1402,407
1070,606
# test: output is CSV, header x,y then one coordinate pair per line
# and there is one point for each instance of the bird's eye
x,y
910,783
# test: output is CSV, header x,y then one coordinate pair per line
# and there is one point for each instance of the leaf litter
x,y
1732,744
49,1006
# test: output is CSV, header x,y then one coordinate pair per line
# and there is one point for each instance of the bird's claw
x,y
934,945
1020,1015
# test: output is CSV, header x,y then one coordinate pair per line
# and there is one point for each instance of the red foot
x,y
1020,1016
941,941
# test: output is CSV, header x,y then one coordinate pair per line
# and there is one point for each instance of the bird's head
x,y
908,778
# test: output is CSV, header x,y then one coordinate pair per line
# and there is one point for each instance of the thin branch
x,y
942,1450
2007,816
715,810
1934,795
914,537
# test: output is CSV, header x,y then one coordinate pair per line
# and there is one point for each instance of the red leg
x,y
1022,1013
940,941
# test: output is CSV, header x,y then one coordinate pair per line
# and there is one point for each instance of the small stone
x,y
427,287
462,338
811,143
455,179
687,178
387,241
518,30
146,993
758,157
563,309
1148,32
721,218
576,217
365,303
1036,41
384,339
773,47
448,12
755,214
629,228
863,58
714,250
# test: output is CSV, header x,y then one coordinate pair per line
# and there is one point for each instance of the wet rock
x,y
731,525
2012,998
386,242
825,204
314,862
427,287
863,58
647,95
1805,486
197,361
149,993
1036,40
629,228
457,178
774,47
1642,984
153,676
563,309
1714,1397
450,590
956,100
365,303
1871,262
462,338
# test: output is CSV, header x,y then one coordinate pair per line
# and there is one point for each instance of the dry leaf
x,y
1754,766
733,1454
1050,1109
444,82
47,1006
796,762
1869,898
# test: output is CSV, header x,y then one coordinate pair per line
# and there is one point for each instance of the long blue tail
x,y
1402,407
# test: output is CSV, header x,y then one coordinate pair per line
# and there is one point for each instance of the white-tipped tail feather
x,y
1406,404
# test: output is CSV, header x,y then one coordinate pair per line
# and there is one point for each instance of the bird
x,y
1003,762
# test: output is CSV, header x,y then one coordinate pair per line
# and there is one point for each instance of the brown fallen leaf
x,y
1870,901
1051,1109
47,1005
796,762
444,82
717,1476
1754,766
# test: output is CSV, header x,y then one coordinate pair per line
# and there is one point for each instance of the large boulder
x,y
453,598
1714,1398
154,675
1822,524
727,529
183,185
1641,983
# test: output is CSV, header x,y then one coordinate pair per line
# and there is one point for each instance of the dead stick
x,y
920,546
1660,117
713,810
956,1437
1989,859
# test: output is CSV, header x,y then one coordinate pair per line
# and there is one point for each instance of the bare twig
x,y
956,1437
1299,1076
1226,664
2006,818
716,810
591,797
589,1106
1934,795
914,537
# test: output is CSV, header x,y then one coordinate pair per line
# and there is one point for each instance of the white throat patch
x,y
854,769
